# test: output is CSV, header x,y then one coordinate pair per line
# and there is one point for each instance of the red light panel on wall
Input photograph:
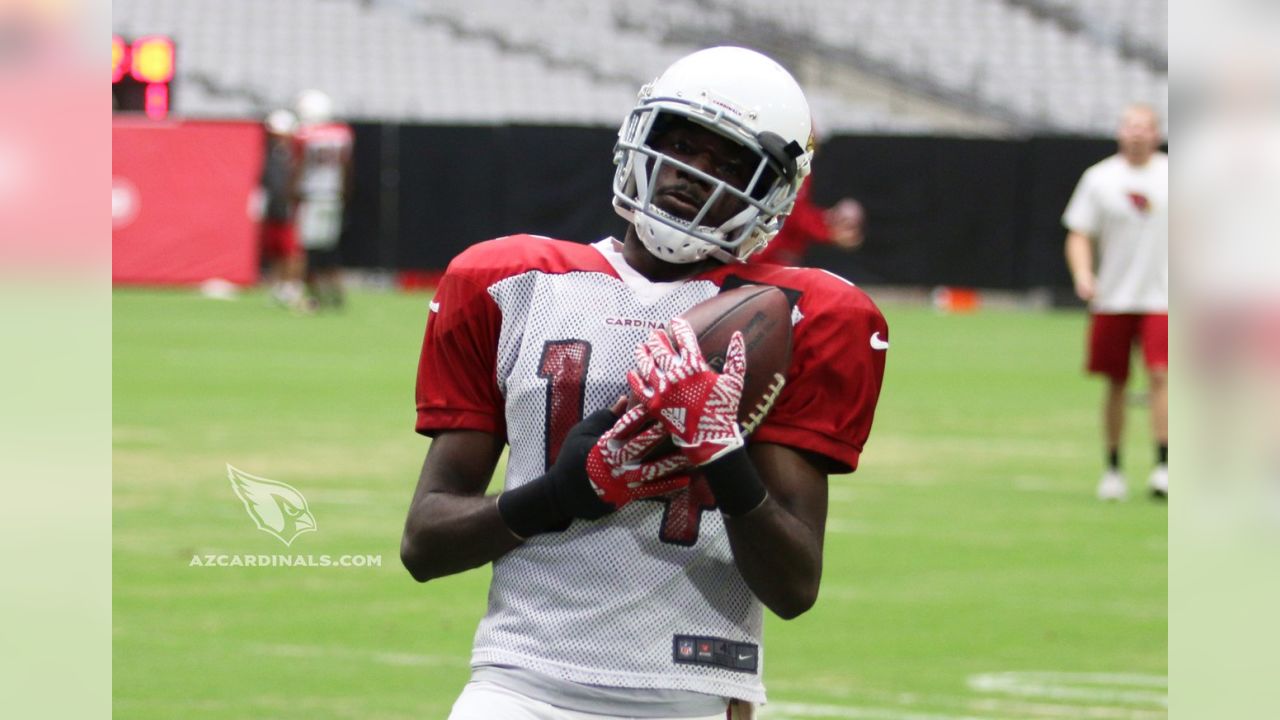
x,y
119,58
152,59
142,75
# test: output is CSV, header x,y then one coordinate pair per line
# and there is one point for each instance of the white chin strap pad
x,y
669,244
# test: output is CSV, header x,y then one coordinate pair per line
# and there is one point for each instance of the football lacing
x,y
765,405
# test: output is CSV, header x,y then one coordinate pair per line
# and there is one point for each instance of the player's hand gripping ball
x,y
619,469
695,404
762,315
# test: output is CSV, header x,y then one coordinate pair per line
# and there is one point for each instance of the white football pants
x,y
486,701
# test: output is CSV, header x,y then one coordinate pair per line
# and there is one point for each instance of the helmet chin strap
x,y
670,244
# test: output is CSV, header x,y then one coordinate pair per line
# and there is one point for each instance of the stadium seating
x,y
1141,25
1048,72
241,57
1035,65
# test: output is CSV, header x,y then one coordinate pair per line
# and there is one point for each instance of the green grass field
x,y
969,571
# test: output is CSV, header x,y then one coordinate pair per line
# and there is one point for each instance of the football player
x,y
626,585
284,259
324,151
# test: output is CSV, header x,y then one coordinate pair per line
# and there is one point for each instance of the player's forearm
x,y
778,554
778,557
447,534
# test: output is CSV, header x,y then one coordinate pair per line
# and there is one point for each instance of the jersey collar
x,y
646,290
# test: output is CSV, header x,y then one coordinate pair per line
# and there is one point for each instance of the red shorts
x,y
1112,337
279,240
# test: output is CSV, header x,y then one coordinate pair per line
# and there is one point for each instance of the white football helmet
x,y
739,94
281,122
314,107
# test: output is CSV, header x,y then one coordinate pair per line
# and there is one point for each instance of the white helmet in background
x,y
744,96
281,122
314,107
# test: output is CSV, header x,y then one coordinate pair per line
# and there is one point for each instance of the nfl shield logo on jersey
x,y
685,648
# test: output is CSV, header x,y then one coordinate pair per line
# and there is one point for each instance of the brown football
x,y
763,315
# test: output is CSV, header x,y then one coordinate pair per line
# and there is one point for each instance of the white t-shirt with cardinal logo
x,y
1125,209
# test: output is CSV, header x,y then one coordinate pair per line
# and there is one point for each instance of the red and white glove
x,y
617,468
697,405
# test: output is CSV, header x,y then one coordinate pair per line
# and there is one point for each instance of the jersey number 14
x,y
564,367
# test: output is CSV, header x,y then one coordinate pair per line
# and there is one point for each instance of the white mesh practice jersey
x,y
323,152
526,336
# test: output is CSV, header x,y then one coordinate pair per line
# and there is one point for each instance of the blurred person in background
x,y
323,150
625,585
281,253
841,225
1117,249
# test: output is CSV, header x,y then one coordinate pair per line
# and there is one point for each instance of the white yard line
x,y
1027,696
358,654
1126,688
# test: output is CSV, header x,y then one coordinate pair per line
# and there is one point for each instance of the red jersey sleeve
x,y
457,387
833,384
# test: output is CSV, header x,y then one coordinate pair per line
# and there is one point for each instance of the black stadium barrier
x,y
967,212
